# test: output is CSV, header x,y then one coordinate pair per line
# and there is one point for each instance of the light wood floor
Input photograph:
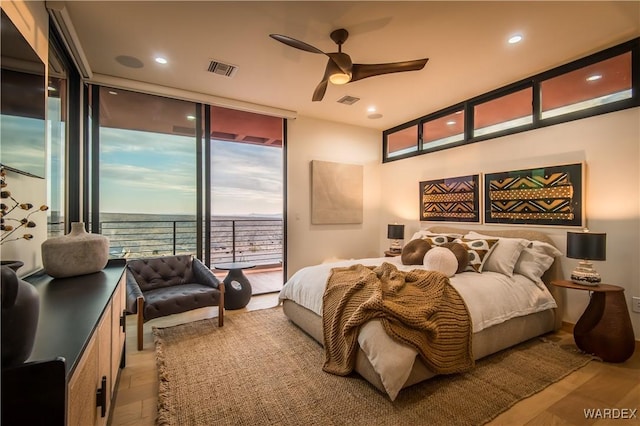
x,y
598,385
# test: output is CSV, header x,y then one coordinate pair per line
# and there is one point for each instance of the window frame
x,y
404,126
534,82
632,46
74,115
492,96
437,115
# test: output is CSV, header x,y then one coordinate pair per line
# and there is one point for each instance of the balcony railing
x,y
258,241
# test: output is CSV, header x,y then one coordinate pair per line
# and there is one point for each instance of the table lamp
x,y
395,233
586,246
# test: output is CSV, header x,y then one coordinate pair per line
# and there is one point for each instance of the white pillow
x,y
377,345
505,254
535,260
442,260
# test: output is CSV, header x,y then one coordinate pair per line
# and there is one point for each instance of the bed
x,y
518,270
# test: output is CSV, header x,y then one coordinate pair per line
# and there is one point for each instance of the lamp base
x,y
396,246
585,274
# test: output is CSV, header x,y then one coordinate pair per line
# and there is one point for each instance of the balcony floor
x,y
263,280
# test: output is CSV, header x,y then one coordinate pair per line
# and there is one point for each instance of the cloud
x,y
158,173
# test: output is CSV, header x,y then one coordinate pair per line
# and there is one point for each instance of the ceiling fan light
x,y
340,78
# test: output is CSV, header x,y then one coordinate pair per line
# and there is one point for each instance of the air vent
x,y
220,68
190,131
348,100
224,136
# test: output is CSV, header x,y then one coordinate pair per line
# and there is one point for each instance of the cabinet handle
x,y
101,397
123,321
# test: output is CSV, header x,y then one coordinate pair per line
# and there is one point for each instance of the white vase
x,y
77,253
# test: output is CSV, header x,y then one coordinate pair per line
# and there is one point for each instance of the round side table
x,y
237,288
604,329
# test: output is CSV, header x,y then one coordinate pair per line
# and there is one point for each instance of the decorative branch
x,y
5,209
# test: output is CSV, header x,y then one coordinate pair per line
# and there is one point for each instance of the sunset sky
x,y
143,172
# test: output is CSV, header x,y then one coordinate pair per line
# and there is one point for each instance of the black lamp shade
x,y
587,245
395,232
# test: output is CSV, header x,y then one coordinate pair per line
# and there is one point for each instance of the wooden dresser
x,y
70,377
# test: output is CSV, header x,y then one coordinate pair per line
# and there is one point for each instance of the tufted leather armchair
x,y
167,285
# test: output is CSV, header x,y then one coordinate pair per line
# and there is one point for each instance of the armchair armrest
x,y
133,293
204,275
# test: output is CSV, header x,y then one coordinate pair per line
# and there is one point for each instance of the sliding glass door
x,y
147,179
173,176
246,184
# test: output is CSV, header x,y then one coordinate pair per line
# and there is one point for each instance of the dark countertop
x,y
69,311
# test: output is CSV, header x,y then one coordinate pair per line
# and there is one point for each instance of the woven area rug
x,y
260,369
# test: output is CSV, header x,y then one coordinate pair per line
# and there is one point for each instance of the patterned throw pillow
x,y
438,240
504,257
423,233
478,250
461,254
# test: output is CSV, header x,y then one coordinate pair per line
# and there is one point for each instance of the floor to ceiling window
x,y
159,183
246,163
147,179
246,184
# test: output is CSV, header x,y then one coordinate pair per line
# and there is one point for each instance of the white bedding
x,y
491,298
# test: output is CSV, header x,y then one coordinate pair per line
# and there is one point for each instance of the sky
x,y
142,172
22,143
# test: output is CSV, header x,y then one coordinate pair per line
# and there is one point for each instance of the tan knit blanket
x,y
419,308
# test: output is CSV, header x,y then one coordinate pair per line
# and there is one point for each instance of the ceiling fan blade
x,y
296,43
360,71
342,60
321,88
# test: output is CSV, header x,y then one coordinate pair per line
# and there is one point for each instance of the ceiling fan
x,y
340,69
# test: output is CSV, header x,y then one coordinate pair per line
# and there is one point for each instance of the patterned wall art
x,y
452,199
543,196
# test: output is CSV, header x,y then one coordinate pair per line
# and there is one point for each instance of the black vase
x,y
20,310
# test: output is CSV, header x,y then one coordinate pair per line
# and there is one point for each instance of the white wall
x,y
311,139
609,144
31,19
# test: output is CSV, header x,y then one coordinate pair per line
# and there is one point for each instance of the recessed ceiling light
x,y
516,38
191,117
450,123
594,77
113,92
161,60
129,61
371,109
